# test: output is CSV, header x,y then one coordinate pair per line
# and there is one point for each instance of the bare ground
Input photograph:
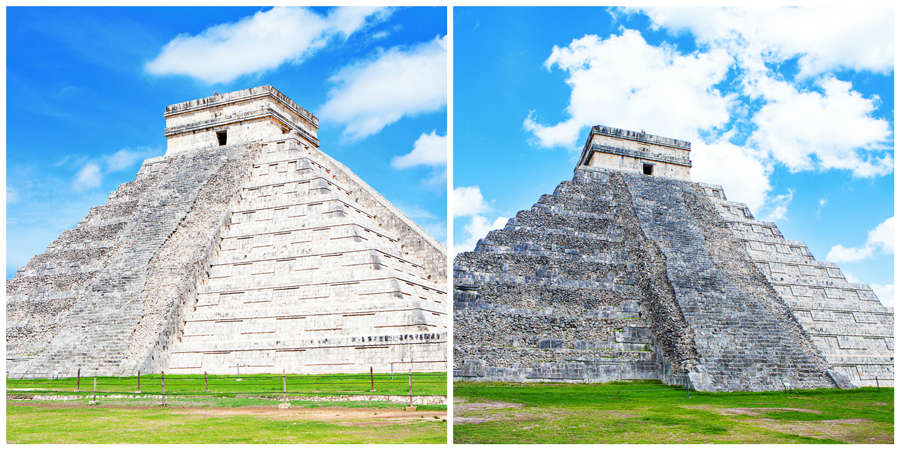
x,y
341,416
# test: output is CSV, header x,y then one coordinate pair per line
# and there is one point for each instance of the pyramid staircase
x,y
306,279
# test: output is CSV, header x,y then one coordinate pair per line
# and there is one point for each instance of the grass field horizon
x,y
646,412
423,383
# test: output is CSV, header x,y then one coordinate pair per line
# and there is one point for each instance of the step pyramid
x,y
632,271
245,246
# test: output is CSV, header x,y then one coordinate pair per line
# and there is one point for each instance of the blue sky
x,y
87,88
789,109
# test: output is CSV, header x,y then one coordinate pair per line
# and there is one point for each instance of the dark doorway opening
x,y
648,169
223,137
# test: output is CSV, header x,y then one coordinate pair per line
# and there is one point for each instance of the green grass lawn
x,y
230,412
650,412
172,425
312,385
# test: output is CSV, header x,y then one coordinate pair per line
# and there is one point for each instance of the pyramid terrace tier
x,y
241,236
844,320
681,251
304,259
424,352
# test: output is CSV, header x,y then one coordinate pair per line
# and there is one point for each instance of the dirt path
x,y
461,406
343,416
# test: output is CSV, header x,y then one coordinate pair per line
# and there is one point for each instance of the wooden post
x,y
205,381
410,387
95,388
877,384
139,381
372,378
284,384
163,379
78,383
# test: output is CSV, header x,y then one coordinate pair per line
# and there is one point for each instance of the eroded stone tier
x,y
619,275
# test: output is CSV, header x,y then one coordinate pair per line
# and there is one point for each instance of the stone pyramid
x,y
244,245
632,271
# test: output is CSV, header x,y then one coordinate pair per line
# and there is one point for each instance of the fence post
x,y
392,371
205,381
687,385
78,385
163,380
95,388
372,378
284,383
239,373
139,382
877,384
410,387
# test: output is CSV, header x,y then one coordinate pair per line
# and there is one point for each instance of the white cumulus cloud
x,y
370,95
827,130
258,43
477,228
881,238
744,176
467,201
824,39
429,149
810,121
627,83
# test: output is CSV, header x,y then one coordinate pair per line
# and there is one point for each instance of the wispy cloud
x,y
428,150
258,43
370,95
436,227
778,206
89,177
12,195
93,172
881,238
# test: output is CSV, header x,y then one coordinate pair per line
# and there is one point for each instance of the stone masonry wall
x,y
612,264
557,294
175,270
43,292
305,279
95,332
844,321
